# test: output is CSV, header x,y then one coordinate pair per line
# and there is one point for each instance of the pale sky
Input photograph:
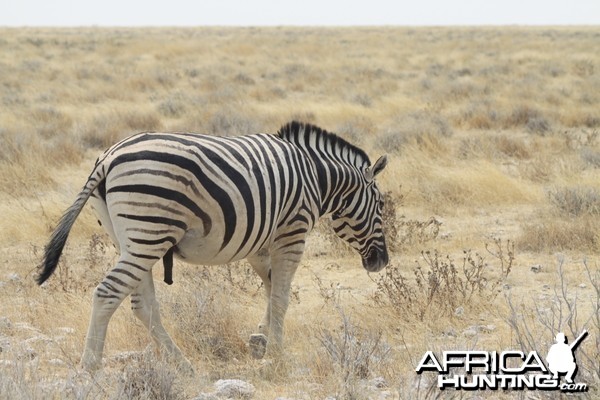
x,y
297,12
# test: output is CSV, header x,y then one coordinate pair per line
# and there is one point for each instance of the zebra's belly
x,y
195,248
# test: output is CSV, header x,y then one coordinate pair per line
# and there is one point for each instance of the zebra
x,y
212,200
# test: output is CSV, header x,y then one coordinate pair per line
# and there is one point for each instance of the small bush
x,y
575,201
591,157
565,310
51,122
362,99
229,122
530,118
413,232
149,378
106,129
206,318
512,147
557,234
352,353
478,116
390,222
172,108
539,125
417,128
441,285
355,130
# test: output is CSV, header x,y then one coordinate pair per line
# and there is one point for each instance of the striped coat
x,y
213,200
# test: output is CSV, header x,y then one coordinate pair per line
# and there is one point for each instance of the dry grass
x,y
493,134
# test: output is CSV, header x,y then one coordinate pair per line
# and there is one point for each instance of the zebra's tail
x,y
55,246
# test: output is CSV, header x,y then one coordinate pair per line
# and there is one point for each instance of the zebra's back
x,y
215,199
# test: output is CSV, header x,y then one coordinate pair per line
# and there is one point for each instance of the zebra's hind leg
x,y
261,262
146,309
121,281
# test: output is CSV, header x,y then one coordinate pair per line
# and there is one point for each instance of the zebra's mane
x,y
301,133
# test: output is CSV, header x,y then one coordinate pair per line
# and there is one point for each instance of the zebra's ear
x,y
373,171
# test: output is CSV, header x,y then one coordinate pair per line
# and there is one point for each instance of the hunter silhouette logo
x,y
506,370
561,358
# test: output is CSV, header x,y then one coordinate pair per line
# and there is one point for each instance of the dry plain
x,y
492,212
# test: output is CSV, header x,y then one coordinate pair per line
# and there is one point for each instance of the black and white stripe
x,y
212,200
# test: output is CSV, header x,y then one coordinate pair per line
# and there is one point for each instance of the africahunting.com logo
x,y
508,370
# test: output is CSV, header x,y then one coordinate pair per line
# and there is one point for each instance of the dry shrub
x,y
558,234
440,285
528,117
479,115
478,183
564,310
572,225
51,122
413,232
104,130
148,377
424,128
205,317
356,129
68,278
352,353
335,246
392,225
590,157
172,107
512,147
20,377
230,122
354,350
26,162
496,147
575,201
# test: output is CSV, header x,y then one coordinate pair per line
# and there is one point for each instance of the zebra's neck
x,y
336,181
339,165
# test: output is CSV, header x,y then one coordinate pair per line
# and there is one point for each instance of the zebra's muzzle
x,y
375,261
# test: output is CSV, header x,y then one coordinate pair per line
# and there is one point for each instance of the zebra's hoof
x,y
258,345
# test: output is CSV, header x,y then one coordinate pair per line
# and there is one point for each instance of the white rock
x,y
234,388
487,328
56,362
66,330
206,396
470,332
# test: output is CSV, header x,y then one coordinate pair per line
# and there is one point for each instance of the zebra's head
x,y
358,219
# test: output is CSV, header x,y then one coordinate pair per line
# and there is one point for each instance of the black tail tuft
x,y
54,248
58,239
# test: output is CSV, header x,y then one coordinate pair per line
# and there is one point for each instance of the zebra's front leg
x,y
261,262
282,273
146,309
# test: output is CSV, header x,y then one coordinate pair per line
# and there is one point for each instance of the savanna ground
x,y
492,213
